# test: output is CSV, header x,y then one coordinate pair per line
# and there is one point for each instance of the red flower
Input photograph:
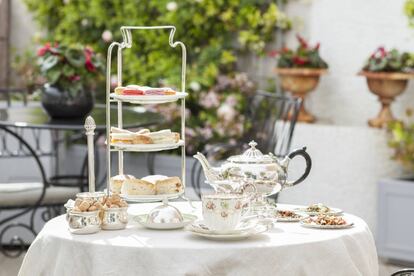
x,y
302,41
299,60
273,53
88,60
285,49
42,51
74,78
89,65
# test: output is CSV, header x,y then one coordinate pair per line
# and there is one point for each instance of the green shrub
x,y
215,32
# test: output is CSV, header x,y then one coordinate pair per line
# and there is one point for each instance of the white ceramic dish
x,y
317,226
146,147
149,99
142,219
258,229
332,212
289,219
150,198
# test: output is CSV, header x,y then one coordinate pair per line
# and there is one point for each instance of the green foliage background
x,y
215,32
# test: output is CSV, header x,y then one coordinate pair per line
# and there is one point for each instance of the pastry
x,y
122,138
117,181
114,201
142,139
170,185
119,90
154,178
137,187
165,136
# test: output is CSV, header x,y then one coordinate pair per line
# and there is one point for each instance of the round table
x,y
287,249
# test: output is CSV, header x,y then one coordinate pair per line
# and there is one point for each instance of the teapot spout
x,y
209,172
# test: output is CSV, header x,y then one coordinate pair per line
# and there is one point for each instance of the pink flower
x,y
46,48
231,100
210,100
206,132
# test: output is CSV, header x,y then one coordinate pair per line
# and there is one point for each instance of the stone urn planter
x,y
299,82
386,86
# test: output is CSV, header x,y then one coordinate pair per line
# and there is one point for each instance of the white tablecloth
x,y
288,249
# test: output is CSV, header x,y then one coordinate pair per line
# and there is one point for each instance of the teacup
x,y
223,212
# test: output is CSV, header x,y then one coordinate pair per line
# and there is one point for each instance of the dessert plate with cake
x,y
144,140
146,95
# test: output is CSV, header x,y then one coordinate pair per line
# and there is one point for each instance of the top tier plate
x,y
149,99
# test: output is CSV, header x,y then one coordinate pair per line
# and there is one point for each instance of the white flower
x,y
84,22
107,36
66,2
195,86
171,6
226,112
114,81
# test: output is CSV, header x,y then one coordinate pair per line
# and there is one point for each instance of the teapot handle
x,y
301,152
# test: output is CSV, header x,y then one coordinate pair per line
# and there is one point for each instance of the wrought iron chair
x,y
272,117
18,200
404,272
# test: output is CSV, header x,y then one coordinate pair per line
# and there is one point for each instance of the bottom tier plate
x,y
150,198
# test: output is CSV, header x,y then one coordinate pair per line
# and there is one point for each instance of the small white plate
x,y
318,226
149,99
332,212
142,219
150,198
258,229
289,219
146,147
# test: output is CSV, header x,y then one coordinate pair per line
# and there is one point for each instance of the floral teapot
x,y
266,172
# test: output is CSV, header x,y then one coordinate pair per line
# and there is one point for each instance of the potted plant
x,y
387,74
396,197
71,74
299,71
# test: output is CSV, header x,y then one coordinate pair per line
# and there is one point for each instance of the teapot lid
x,y
252,156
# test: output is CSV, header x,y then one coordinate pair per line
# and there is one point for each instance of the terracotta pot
x,y
300,81
386,86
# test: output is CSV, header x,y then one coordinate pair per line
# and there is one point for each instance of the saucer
x,y
142,219
200,227
257,229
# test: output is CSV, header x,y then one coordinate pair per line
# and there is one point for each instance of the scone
x,y
170,185
137,187
117,181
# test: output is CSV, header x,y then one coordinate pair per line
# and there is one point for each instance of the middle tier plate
x,y
149,99
147,147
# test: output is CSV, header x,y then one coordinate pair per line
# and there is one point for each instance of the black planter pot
x,y
60,104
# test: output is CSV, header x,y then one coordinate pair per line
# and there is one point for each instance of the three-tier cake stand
x,y
119,100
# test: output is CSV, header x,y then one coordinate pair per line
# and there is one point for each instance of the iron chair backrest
x,y
404,272
273,119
